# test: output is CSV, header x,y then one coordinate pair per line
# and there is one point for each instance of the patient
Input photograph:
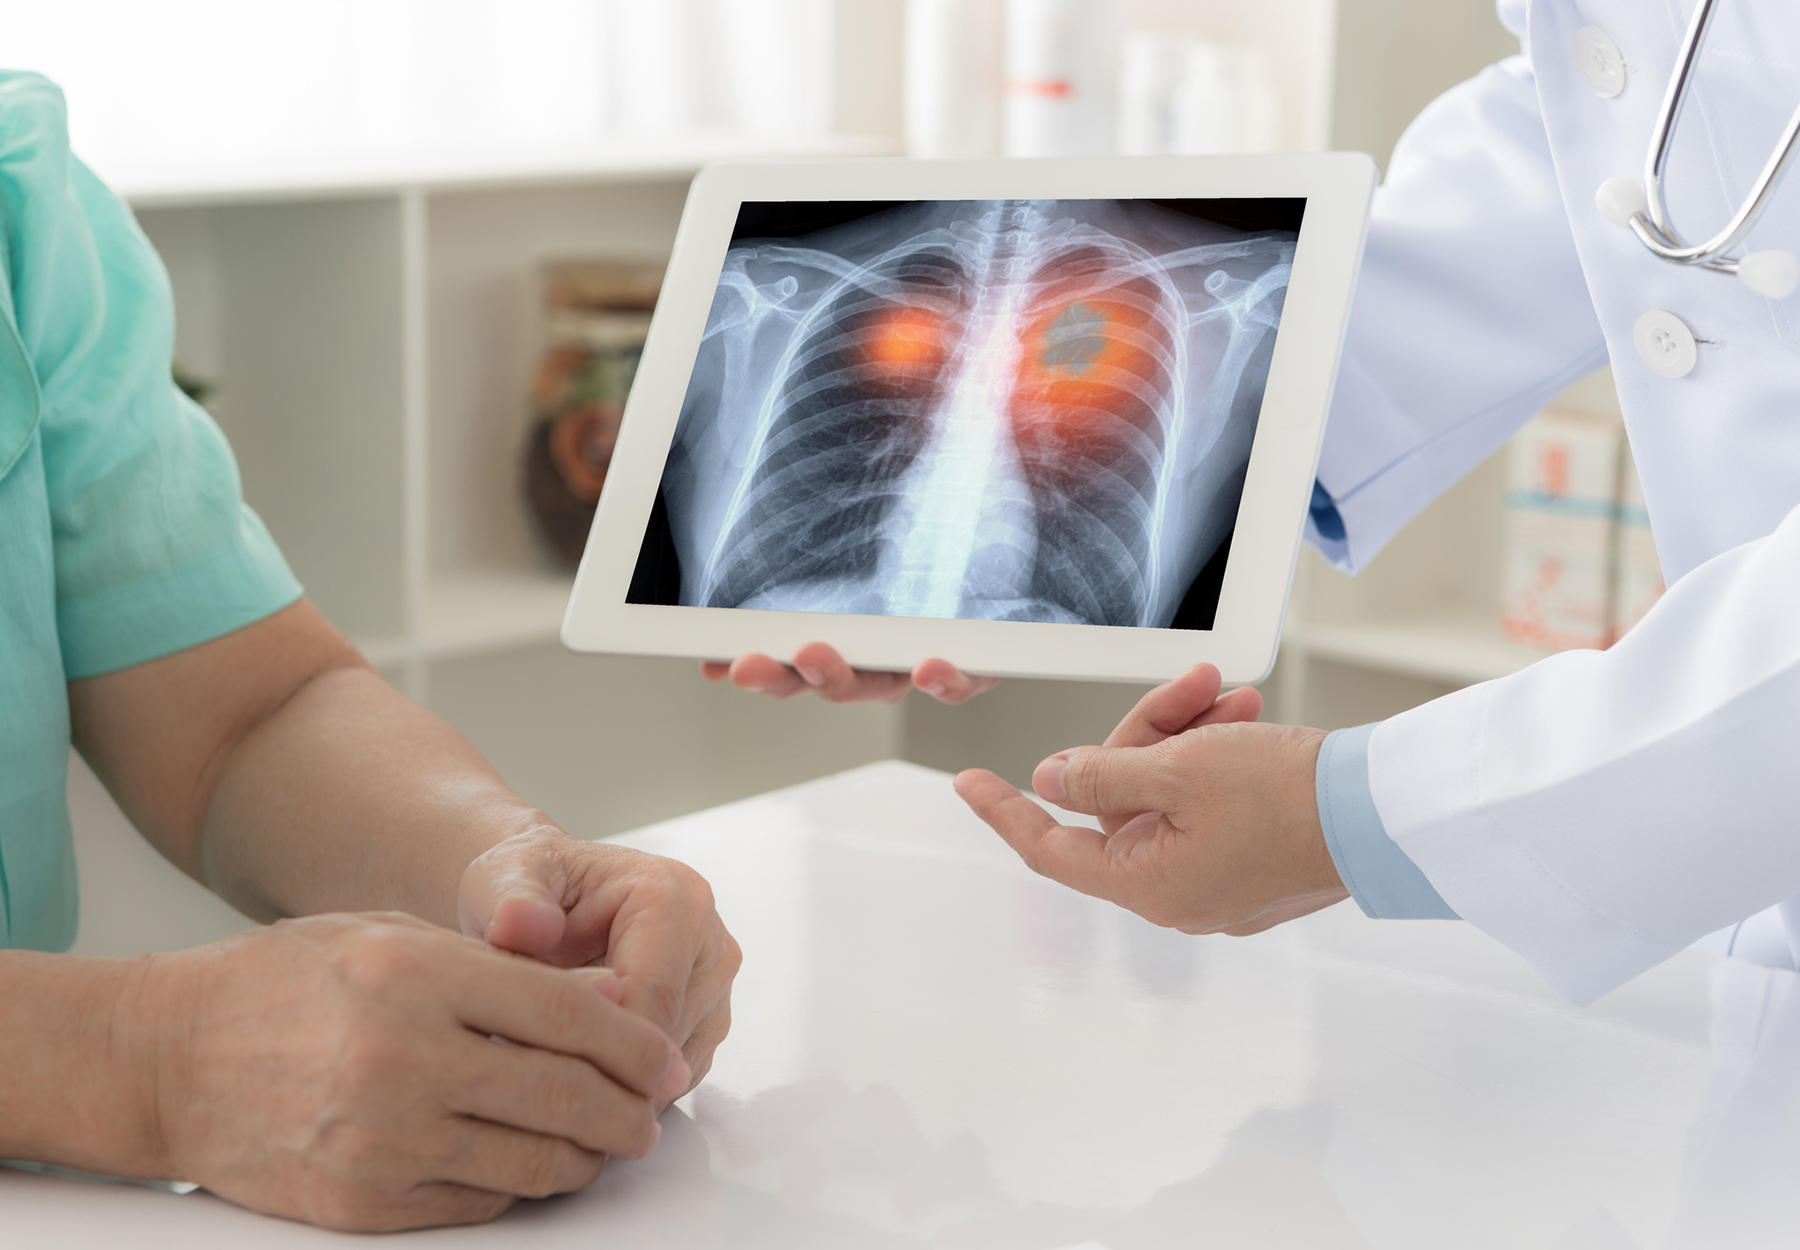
x,y
340,1068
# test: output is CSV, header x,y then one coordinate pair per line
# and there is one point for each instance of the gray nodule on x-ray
x,y
1004,410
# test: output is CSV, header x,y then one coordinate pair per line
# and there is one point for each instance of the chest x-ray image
x,y
1005,410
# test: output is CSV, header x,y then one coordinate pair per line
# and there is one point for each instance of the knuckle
x,y
731,955
544,1168
568,1007
645,1054
570,1085
696,890
1032,855
662,1002
379,954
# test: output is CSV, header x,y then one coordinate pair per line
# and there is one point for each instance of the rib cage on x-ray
x,y
1001,410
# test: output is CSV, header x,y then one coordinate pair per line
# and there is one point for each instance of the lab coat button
x,y
1599,60
1666,344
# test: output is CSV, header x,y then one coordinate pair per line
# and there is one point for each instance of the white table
x,y
935,1048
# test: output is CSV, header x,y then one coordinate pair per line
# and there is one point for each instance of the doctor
x,y
1600,810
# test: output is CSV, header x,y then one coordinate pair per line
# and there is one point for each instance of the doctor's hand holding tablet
x,y
1045,434
970,405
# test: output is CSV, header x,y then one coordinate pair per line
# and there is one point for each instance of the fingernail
x,y
603,979
936,689
675,1081
813,676
1048,779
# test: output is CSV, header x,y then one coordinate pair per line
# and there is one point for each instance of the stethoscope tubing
x,y
1656,231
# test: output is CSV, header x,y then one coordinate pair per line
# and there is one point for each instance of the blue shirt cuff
x,y
1325,528
1383,881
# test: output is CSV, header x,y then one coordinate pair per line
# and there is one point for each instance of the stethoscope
x,y
1643,210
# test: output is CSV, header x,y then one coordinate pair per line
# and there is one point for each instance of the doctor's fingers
x,y
830,676
1191,700
756,673
947,683
1068,854
1114,781
1168,709
818,668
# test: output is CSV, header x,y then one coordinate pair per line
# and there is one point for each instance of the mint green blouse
x,y
123,531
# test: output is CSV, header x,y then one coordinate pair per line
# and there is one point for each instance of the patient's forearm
x,y
79,1085
275,765
352,798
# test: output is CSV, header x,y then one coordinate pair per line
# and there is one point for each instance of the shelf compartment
x,y
1461,648
476,612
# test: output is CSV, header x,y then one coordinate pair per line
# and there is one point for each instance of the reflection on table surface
x,y
934,1048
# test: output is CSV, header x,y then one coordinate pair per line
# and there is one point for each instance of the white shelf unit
x,y
372,332
372,337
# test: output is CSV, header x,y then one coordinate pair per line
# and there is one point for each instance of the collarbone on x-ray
x,y
1008,410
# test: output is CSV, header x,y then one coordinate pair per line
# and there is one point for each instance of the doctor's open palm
x,y
1208,820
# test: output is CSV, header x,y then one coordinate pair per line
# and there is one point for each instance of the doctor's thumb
x,y
1102,780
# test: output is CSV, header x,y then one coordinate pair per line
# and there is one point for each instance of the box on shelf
x,y
596,316
1561,517
1637,573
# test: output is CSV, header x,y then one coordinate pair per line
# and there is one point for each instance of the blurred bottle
x,y
1224,103
953,74
1062,73
673,68
1150,68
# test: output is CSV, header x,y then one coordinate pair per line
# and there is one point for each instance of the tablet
x,y
1049,418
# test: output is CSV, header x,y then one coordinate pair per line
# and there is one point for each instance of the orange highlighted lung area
x,y
901,340
1092,354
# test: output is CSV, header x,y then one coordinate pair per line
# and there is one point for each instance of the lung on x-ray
x,y
1002,410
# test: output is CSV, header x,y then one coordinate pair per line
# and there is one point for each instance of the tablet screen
x,y
1003,410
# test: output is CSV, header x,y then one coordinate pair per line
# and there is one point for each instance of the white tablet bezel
x,y
1259,571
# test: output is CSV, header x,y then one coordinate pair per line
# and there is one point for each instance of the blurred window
x,y
156,87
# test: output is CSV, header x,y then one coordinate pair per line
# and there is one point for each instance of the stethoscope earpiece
x,y
1772,274
1620,199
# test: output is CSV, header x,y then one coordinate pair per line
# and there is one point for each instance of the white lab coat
x,y
1601,810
